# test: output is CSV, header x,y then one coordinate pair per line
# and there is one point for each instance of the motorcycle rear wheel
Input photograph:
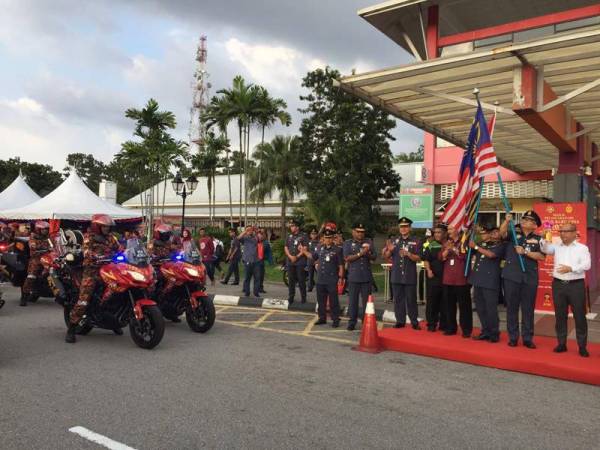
x,y
148,332
82,330
201,319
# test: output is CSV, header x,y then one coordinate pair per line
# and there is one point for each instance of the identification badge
x,y
295,242
327,258
452,262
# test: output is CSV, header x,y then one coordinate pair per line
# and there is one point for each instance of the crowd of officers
x,y
503,267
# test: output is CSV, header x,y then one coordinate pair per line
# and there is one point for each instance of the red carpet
x,y
541,361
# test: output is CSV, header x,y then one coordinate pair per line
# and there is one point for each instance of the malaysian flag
x,y
479,160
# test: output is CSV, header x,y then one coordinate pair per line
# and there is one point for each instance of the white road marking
x,y
99,439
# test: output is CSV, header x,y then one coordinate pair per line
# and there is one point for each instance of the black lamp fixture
x,y
183,189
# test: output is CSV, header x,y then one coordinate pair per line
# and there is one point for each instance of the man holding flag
x,y
479,160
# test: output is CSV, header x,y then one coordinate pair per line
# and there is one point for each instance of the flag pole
x,y
510,222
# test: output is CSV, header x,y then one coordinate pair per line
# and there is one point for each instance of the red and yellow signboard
x,y
553,215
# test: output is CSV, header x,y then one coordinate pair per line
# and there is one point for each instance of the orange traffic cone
x,y
369,339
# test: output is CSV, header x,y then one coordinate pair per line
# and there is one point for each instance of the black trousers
x,y
296,275
436,308
405,300
251,271
461,296
519,296
323,292
311,276
570,294
261,268
354,290
486,301
234,269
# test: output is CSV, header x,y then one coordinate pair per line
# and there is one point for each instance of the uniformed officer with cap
x,y
296,261
485,279
330,269
312,247
358,254
405,251
520,287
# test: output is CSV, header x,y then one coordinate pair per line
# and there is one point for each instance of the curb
x,y
384,315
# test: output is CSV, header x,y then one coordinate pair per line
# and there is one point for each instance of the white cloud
x,y
23,105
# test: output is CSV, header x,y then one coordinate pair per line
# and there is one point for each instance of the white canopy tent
x,y
72,200
17,194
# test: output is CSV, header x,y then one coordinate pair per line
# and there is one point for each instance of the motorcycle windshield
x,y
191,254
136,253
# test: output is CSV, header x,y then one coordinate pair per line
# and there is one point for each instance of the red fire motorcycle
x,y
121,299
186,273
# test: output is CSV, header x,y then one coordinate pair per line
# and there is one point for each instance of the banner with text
x,y
417,205
553,215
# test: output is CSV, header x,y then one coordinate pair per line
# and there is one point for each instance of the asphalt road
x,y
238,387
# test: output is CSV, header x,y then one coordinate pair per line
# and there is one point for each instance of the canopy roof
x,y
72,200
17,194
436,95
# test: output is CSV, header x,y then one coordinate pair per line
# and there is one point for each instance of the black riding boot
x,y
23,301
70,336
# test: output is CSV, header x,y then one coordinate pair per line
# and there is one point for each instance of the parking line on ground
x,y
262,319
99,439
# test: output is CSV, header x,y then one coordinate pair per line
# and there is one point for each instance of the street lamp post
x,y
183,189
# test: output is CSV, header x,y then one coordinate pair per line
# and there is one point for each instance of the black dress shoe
x,y
290,301
415,326
321,322
481,337
399,325
223,282
466,335
118,332
235,284
432,329
262,291
350,327
23,301
494,339
512,343
176,320
449,333
529,344
583,352
560,348
70,336
303,300
335,324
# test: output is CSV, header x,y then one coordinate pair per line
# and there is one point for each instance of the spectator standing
x,y
250,259
207,250
265,255
233,258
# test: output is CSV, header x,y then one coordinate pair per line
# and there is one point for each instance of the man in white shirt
x,y
571,260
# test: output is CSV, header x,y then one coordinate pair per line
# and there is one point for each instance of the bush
x,y
277,249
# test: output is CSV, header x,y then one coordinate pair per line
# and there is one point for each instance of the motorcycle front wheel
x,y
201,319
148,332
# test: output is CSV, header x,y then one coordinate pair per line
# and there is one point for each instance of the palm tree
x,y
218,114
152,158
240,103
280,159
268,112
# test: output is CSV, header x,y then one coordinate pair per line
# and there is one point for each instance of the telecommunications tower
x,y
200,87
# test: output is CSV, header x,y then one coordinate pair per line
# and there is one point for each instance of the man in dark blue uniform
x,y
233,258
296,261
436,309
405,251
312,247
358,254
485,279
330,269
520,287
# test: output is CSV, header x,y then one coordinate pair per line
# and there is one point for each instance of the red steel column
x,y
432,35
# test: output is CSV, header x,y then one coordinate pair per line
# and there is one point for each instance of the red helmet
x,y
41,225
330,226
101,220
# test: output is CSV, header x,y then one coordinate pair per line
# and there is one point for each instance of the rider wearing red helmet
x,y
98,243
161,247
39,244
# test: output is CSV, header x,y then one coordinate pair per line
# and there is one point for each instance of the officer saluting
x,y
485,279
404,251
358,254
520,287
330,269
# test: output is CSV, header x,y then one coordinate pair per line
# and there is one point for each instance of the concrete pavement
x,y
248,388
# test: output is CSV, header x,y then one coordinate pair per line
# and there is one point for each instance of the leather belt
x,y
567,281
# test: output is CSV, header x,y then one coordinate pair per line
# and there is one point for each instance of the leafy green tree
x,y
418,156
42,178
345,153
280,158
89,169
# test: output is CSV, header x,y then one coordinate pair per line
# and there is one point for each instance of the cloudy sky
x,y
70,68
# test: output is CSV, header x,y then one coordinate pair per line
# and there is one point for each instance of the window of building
x,y
566,26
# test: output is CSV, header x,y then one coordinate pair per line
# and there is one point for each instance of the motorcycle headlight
x,y
137,276
193,272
